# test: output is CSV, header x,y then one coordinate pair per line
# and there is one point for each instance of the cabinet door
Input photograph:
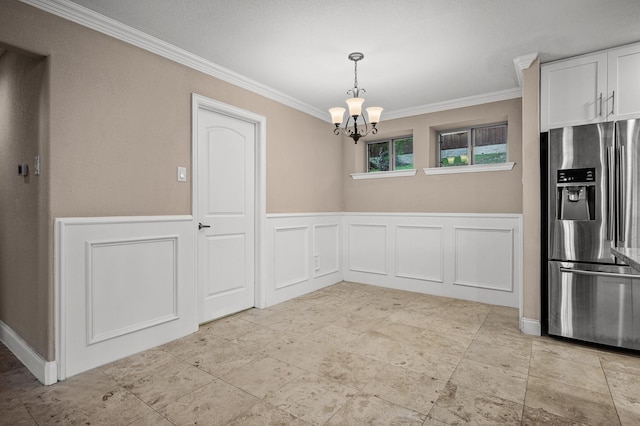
x,y
623,97
573,92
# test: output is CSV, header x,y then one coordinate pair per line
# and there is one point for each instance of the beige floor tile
x,y
375,346
400,332
498,381
577,404
308,357
15,383
369,410
406,388
569,351
334,335
546,366
348,368
538,416
152,419
415,317
229,328
461,405
119,407
511,358
168,384
422,359
216,403
80,390
495,335
193,344
262,376
625,391
14,413
219,360
261,340
263,414
623,363
302,354
311,398
138,366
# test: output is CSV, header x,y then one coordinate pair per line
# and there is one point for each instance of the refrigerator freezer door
x,y
595,303
580,158
628,181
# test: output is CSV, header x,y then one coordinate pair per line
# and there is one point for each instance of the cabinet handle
x,y
600,103
613,101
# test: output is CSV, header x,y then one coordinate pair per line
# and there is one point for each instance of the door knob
x,y
200,225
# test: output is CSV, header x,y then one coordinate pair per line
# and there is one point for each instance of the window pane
x,y
490,145
454,149
403,149
378,155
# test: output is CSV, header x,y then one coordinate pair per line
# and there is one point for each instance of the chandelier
x,y
355,109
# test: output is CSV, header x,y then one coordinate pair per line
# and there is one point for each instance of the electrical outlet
x,y
316,260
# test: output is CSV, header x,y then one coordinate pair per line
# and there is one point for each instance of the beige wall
x,y
488,192
23,200
531,190
120,124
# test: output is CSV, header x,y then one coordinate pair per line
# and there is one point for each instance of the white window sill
x,y
379,175
474,168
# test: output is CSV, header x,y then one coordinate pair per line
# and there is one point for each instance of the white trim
x,y
45,371
260,122
523,62
530,326
445,214
485,98
95,21
473,168
388,174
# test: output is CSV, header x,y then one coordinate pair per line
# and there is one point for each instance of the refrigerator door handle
x,y
599,274
621,193
610,192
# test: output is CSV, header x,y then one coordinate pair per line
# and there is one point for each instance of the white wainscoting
x,y
467,256
303,254
123,285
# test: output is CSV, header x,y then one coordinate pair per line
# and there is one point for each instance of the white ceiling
x,y
417,52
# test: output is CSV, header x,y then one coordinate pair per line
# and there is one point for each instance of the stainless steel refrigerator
x,y
593,205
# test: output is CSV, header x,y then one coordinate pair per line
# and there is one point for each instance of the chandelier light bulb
x,y
374,114
337,115
355,106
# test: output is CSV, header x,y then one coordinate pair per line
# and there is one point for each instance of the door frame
x,y
201,102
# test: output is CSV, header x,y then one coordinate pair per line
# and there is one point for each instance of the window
x,y
475,145
391,154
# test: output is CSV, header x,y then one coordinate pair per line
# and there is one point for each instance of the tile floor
x,y
350,354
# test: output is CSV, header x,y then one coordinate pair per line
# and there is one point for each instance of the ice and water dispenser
x,y
576,194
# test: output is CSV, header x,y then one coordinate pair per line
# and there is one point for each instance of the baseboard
x,y
530,326
45,371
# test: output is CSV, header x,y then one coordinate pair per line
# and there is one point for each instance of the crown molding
x,y
95,21
86,17
523,62
486,98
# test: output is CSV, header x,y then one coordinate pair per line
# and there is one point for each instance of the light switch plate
x,y
182,174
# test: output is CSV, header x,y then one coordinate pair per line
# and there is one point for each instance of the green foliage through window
x,y
476,145
391,154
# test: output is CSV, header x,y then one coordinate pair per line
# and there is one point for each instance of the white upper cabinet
x,y
624,83
592,88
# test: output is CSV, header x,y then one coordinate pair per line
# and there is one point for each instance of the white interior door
x,y
226,214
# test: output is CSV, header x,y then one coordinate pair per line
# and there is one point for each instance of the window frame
x,y
471,136
392,153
